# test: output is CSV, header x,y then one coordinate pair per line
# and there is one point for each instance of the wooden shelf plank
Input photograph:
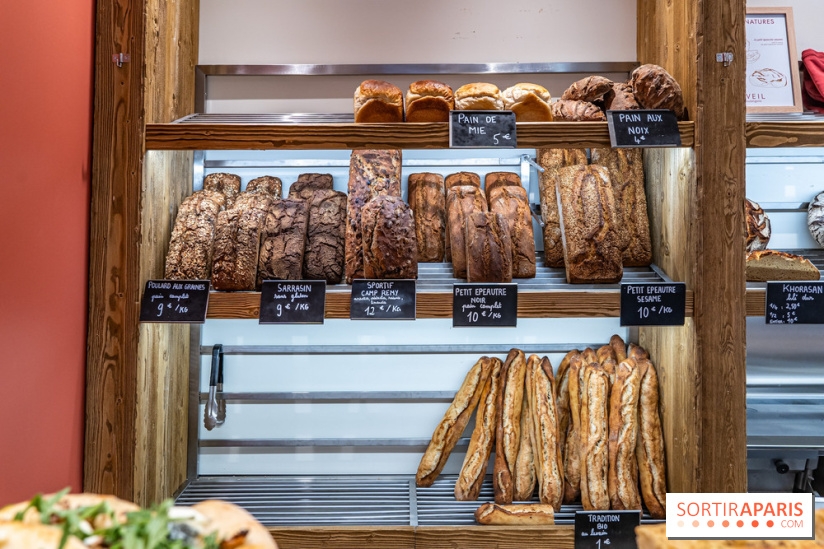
x,y
785,134
756,301
499,537
345,537
558,304
181,136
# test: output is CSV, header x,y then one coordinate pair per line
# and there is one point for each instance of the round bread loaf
x,y
529,102
815,218
589,89
429,101
757,226
655,88
378,101
479,96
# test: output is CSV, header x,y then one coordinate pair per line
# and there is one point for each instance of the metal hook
x,y
214,413
528,159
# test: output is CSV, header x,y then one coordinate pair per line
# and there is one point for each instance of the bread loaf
x,y
478,96
572,449
548,460
562,399
325,236
620,98
618,347
525,475
496,180
508,432
454,421
429,101
529,102
576,111
512,203
594,439
308,183
190,248
655,88
428,203
650,444
623,436
227,184
815,219
267,184
519,514
552,160
589,89
456,180
378,101
772,265
390,248
757,226
473,471
587,207
238,242
637,353
626,173
488,248
283,241
371,173
460,203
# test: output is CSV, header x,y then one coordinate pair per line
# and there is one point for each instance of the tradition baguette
x,y
507,435
619,347
572,450
549,465
527,461
533,514
454,421
562,400
637,352
469,482
650,444
623,435
594,435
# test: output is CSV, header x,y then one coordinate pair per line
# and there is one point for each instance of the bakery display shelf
x,y
305,131
757,291
785,130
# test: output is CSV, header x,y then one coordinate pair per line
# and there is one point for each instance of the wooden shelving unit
x,y
801,130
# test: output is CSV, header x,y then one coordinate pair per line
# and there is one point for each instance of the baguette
x,y
533,514
549,465
619,347
606,358
454,421
473,471
572,450
637,352
623,435
527,461
594,435
650,444
507,435
562,400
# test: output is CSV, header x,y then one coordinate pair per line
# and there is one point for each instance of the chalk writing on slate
x,y
382,300
175,301
795,303
484,305
637,129
292,302
654,304
606,529
482,130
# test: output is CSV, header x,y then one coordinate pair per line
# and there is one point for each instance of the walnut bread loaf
x,y
190,248
567,110
591,88
325,236
237,242
655,88
283,241
389,245
428,202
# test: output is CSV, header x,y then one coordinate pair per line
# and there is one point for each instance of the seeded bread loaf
x,y
283,241
237,242
227,184
325,236
512,203
488,248
552,160
389,243
428,202
461,202
190,248
267,185
308,183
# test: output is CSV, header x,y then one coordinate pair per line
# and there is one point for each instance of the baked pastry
x,y
473,471
378,101
325,236
508,432
594,436
512,203
623,436
815,219
655,88
540,388
488,248
529,102
757,226
479,96
390,248
238,242
496,180
552,160
519,514
283,241
620,98
190,248
371,173
308,183
227,184
591,252
767,265
626,173
576,111
454,421
266,185
428,203
649,450
591,88
460,203
429,101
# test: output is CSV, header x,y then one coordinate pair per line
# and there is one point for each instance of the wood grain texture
x,y
756,302
497,537
345,537
531,304
785,134
434,135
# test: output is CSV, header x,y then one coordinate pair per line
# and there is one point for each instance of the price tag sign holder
x,y
653,304
383,300
606,529
477,304
292,301
795,303
643,129
175,301
482,130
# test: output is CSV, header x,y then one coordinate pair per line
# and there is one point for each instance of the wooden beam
x,y
785,134
499,537
345,537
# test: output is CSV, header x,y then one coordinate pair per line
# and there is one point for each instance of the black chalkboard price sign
x,y
795,303
292,301
658,304
175,301
637,129
606,529
484,305
482,130
382,300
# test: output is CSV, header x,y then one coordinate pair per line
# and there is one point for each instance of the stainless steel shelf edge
x,y
388,349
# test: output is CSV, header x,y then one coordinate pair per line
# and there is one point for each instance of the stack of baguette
x,y
591,433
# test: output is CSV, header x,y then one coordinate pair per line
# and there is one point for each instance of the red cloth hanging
x,y
813,90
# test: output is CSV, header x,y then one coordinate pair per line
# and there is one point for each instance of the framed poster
x,y
772,64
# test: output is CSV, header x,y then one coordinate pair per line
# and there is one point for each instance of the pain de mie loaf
x,y
378,101
429,101
529,102
479,96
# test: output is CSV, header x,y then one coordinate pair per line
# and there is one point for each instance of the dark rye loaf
x,y
237,242
428,203
190,248
326,236
308,183
389,243
283,241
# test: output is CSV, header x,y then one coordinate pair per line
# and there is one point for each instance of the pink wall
x,y
46,62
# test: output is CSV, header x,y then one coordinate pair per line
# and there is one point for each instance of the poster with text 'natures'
x,y
769,82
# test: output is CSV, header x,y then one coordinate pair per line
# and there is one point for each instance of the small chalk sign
x,y
383,300
795,303
643,129
175,301
606,529
292,301
654,304
484,305
482,130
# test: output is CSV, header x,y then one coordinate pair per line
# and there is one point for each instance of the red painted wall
x,y
46,62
